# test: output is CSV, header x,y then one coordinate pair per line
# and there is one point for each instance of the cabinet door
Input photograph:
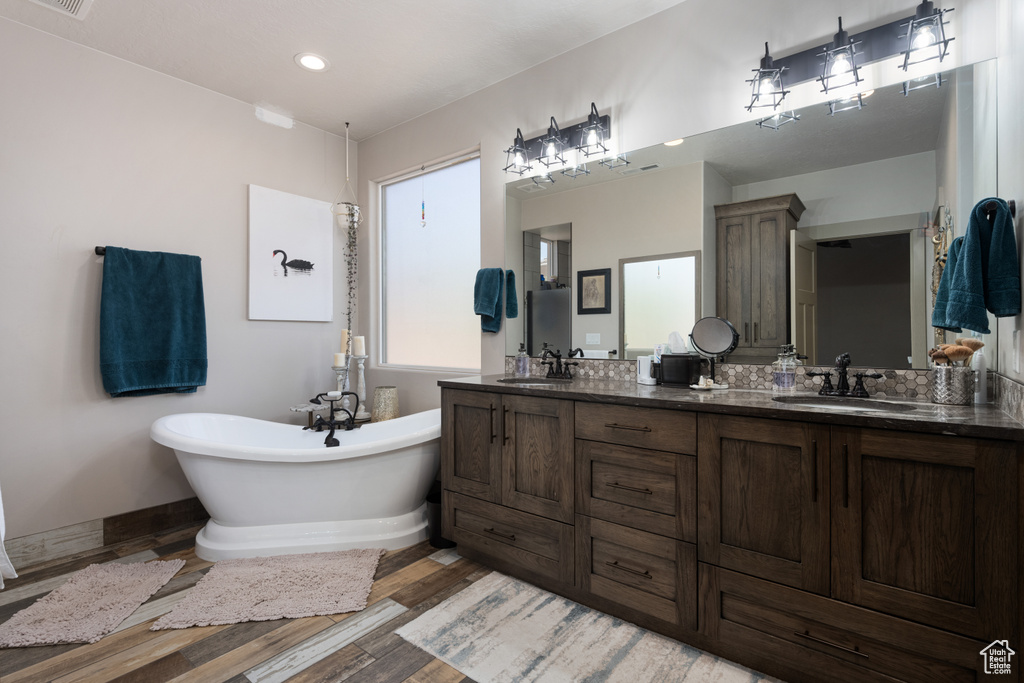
x,y
537,456
738,269
762,488
925,527
770,286
471,444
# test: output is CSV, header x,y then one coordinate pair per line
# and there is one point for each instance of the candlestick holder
x,y
362,414
342,374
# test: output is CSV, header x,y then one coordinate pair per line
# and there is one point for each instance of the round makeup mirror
x,y
712,338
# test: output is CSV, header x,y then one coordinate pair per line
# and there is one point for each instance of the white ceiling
x,y
391,60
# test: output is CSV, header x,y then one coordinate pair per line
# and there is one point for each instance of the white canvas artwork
x,y
291,247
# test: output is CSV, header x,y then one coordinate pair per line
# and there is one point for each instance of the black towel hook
x,y
990,207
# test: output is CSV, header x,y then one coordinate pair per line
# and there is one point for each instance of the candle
x,y
339,360
344,343
358,346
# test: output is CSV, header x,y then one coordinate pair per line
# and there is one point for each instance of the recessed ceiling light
x,y
673,143
312,62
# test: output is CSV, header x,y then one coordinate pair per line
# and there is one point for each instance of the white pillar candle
x,y
344,343
358,346
339,360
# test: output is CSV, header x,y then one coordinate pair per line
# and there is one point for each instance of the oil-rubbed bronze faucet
x,y
331,422
554,368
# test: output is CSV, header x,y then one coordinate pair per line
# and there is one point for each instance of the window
x,y
547,259
430,238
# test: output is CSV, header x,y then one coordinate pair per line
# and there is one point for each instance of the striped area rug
x,y
502,629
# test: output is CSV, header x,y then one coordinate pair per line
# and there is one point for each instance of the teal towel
x,y
999,253
152,323
511,300
943,316
487,298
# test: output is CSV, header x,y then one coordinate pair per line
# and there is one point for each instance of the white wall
x,y
98,151
678,73
877,189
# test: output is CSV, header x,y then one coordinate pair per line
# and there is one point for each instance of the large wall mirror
x,y
874,181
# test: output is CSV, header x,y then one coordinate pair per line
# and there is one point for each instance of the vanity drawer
x,y
538,545
766,622
645,572
649,490
656,428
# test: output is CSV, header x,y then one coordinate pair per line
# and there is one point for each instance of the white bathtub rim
x,y
217,542
179,441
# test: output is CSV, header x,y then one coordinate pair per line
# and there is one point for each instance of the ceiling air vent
x,y
639,169
72,8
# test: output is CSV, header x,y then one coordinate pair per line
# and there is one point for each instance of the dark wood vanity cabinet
x,y
805,550
507,469
763,499
752,252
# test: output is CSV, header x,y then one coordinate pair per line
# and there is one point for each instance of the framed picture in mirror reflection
x,y
594,291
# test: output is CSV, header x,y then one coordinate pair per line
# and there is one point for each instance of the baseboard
x,y
26,551
151,520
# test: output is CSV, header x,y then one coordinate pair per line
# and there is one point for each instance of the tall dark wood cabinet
x,y
752,257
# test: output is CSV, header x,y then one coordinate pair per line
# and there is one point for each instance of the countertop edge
x,y
970,421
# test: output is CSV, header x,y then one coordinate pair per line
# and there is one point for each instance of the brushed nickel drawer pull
x,y
616,564
808,636
612,425
510,537
617,485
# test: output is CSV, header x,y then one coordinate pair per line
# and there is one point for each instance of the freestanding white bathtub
x,y
274,489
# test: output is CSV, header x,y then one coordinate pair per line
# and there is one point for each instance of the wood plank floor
x,y
359,647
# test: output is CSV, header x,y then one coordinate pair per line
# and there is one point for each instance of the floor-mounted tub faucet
x,y
331,422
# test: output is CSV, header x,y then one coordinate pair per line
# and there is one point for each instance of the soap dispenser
x,y
522,368
784,370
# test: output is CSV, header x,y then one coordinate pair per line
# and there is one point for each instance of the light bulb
x,y
840,65
766,86
592,137
924,36
550,151
518,160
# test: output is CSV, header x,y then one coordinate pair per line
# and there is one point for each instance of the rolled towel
x,y
511,300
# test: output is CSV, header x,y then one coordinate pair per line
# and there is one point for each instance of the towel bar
x,y
101,251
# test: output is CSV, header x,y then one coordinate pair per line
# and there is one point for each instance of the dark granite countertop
x,y
981,421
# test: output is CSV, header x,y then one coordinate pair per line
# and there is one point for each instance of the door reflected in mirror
x,y
659,295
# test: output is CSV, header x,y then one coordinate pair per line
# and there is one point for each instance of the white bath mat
x,y
88,605
503,630
279,587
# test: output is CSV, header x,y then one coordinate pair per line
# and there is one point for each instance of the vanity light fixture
x,y
926,35
840,69
593,135
517,156
923,82
576,171
766,85
545,179
778,120
552,146
562,147
312,62
617,161
846,104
